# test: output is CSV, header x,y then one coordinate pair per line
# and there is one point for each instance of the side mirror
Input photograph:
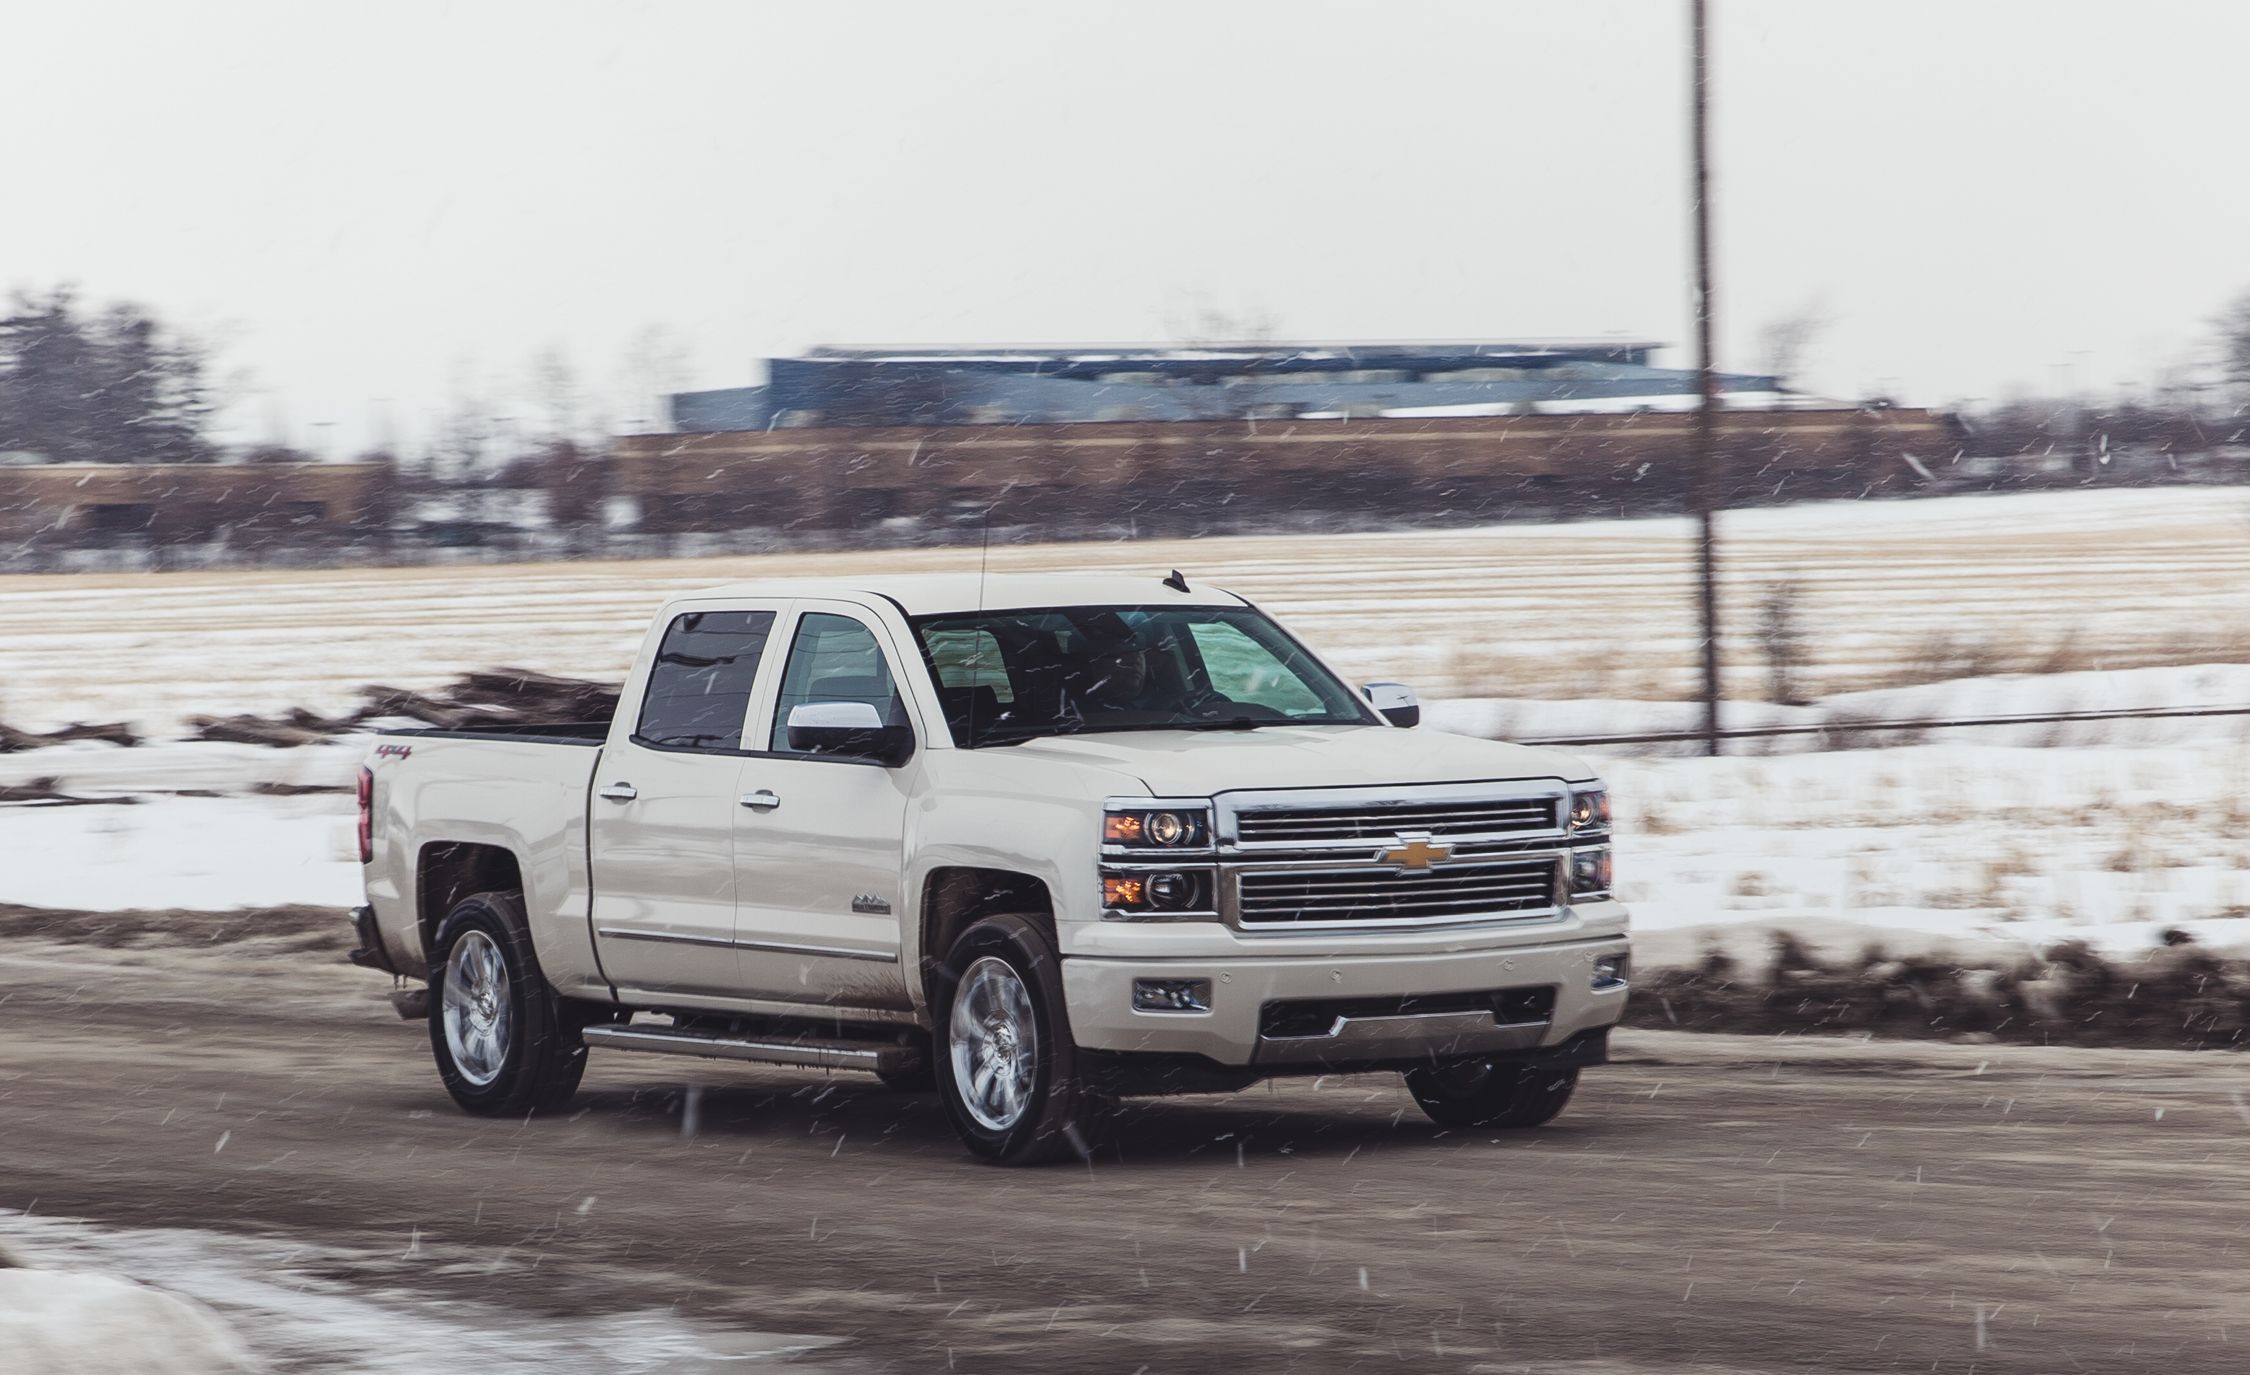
x,y
854,730
1396,702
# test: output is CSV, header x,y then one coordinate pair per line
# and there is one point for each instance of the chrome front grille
x,y
1302,825
1295,897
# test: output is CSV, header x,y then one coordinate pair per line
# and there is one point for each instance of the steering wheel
x,y
1217,708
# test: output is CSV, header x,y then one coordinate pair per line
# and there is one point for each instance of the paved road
x,y
1709,1204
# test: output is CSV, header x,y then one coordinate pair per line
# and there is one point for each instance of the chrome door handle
x,y
620,792
763,800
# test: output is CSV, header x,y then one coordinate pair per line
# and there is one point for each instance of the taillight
x,y
366,815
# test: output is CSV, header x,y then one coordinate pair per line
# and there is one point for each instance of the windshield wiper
x,y
1016,735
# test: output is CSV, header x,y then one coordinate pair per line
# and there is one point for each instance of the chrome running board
x,y
765,1050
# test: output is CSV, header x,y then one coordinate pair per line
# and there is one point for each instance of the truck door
x,y
661,820
819,840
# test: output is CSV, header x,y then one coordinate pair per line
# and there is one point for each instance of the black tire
x,y
1491,1093
539,1055
915,1076
1057,1114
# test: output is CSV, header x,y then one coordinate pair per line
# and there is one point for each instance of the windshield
x,y
1012,675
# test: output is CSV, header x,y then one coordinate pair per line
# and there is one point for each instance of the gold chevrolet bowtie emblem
x,y
1416,854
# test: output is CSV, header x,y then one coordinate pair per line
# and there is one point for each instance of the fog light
x,y
1609,971
1171,995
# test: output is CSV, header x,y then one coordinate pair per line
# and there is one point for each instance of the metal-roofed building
x,y
1058,386
1184,440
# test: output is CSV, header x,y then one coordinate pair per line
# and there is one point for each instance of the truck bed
x,y
508,789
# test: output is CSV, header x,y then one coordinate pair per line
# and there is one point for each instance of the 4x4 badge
x,y
871,905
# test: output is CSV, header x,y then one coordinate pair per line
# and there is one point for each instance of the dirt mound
x,y
2178,996
309,929
489,697
14,741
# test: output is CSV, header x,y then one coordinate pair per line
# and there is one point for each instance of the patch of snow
x,y
1948,842
62,1322
280,1299
206,854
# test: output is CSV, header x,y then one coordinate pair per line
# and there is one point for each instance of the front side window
x,y
1012,675
834,659
699,689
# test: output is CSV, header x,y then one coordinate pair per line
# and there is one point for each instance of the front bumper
x,y
1099,995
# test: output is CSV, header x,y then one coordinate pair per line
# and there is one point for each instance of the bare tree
x,y
1210,329
656,364
576,481
99,386
2233,326
383,500
1787,340
1781,634
553,390
468,442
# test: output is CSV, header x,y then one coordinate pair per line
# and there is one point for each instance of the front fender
x,y
1038,818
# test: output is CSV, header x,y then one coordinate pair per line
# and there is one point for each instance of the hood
x,y
1181,763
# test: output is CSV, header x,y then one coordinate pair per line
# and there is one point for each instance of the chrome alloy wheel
x,y
478,1024
994,1042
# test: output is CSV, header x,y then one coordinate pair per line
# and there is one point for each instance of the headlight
x,y
1130,894
1589,807
1590,872
1157,826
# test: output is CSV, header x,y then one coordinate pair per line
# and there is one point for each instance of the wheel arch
x,y
955,897
446,871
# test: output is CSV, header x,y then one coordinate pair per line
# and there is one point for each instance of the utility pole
x,y
1705,455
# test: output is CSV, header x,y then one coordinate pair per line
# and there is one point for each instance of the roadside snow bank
x,y
2020,846
207,853
60,1322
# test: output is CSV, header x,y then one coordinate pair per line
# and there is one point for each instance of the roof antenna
x,y
1177,582
984,556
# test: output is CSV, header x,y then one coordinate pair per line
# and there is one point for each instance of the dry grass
x,y
2178,996
1946,656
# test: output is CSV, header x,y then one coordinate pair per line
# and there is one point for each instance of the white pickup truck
x,y
1046,841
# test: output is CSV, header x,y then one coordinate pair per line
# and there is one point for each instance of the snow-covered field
x,y
1889,592
2014,835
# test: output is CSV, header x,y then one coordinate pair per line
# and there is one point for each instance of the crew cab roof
x,y
929,594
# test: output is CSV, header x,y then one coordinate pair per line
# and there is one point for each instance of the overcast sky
x,y
375,207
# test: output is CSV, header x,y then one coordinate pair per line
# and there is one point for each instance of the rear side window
x,y
699,690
